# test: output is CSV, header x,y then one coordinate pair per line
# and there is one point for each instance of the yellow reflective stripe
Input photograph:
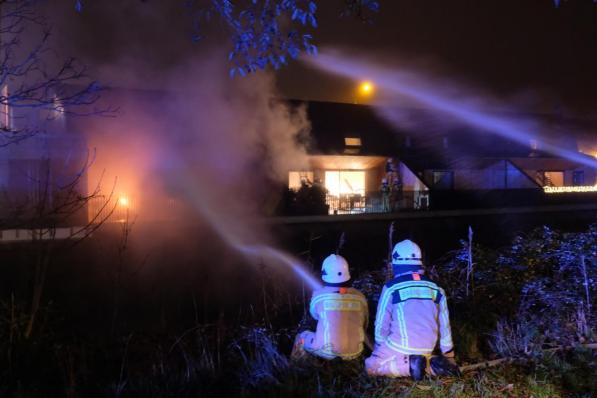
x,y
312,307
446,333
341,305
354,301
328,350
407,284
383,302
402,325
407,349
338,296
419,292
381,312
326,328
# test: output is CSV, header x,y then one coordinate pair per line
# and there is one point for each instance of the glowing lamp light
x,y
123,201
366,88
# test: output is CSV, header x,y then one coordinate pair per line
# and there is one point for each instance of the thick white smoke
x,y
214,147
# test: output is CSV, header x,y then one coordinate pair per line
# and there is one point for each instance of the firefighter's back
x,y
342,316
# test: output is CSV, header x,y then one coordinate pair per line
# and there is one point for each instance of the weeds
x,y
516,339
262,361
537,293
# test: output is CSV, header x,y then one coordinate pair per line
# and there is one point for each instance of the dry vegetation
x,y
523,301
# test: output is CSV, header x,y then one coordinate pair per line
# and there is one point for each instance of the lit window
x,y
295,179
553,178
345,182
352,141
4,109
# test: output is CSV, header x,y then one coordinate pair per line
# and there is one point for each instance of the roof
x,y
332,122
449,147
544,163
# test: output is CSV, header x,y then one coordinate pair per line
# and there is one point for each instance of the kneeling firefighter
x,y
341,313
412,314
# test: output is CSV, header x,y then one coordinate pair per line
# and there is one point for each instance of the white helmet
x,y
407,252
335,270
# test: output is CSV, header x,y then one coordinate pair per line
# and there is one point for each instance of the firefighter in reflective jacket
x,y
412,314
341,313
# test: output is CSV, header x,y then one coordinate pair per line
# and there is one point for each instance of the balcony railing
x,y
375,202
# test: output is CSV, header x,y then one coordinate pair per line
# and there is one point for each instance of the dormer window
x,y
352,145
352,141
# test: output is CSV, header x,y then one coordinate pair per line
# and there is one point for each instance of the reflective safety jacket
x,y
342,315
412,314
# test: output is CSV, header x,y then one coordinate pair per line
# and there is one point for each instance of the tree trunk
x,y
39,281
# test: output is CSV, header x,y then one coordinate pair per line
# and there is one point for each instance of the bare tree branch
x,y
32,79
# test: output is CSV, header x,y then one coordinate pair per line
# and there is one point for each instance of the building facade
x,y
366,165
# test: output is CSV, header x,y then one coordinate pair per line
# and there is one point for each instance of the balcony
x,y
373,202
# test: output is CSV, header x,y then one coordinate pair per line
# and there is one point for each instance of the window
x,y
553,178
443,179
4,110
353,145
352,141
578,178
296,177
345,182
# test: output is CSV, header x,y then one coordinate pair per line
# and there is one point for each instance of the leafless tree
x,y
37,92
32,79
49,220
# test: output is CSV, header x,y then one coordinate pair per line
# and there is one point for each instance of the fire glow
x,y
123,201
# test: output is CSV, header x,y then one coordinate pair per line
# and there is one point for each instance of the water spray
x,y
410,84
253,250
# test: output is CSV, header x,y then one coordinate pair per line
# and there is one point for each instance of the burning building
x,y
354,151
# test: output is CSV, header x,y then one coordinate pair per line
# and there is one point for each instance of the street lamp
x,y
365,90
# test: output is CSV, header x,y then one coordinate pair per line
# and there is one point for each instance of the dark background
x,y
503,46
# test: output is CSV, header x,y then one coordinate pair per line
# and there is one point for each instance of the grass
x,y
224,358
559,374
337,379
257,365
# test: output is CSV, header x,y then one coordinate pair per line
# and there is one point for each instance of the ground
x,y
109,327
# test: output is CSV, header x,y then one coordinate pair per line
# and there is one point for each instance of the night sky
x,y
507,48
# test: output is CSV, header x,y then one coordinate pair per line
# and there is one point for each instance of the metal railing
x,y
346,204
375,202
